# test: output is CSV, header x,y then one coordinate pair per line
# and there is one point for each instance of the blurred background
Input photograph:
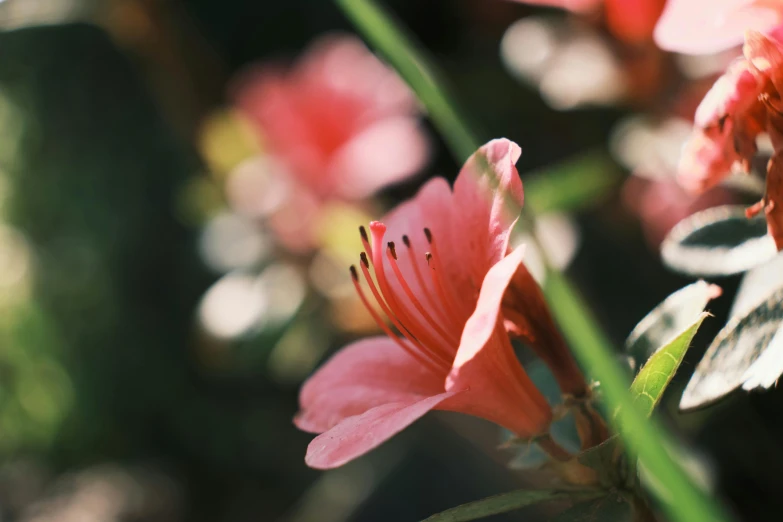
x,y
180,185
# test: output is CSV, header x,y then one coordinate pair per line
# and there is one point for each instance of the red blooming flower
x,y
709,26
445,279
744,103
341,122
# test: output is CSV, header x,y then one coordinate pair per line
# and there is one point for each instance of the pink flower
x,y
709,26
632,21
445,279
342,123
744,103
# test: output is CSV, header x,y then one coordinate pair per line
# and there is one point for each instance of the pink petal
x,y
488,197
383,153
268,99
499,389
707,158
733,92
361,376
709,26
766,55
433,207
355,436
470,225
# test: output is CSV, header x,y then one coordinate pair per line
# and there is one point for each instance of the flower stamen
x,y
392,255
425,288
384,327
451,301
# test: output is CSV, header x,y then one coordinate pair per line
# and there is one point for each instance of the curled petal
x,y
355,436
359,377
733,93
488,195
499,388
766,56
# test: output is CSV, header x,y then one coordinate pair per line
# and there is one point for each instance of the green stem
x,y
683,501
680,497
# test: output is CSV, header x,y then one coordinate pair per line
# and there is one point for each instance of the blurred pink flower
x,y
446,292
632,21
744,103
341,122
710,26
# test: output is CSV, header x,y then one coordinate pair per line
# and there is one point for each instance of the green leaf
x,y
718,241
670,318
609,508
509,502
767,369
758,284
682,500
571,185
611,463
655,376
731,359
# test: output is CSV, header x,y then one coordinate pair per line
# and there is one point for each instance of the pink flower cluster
x,y
744,103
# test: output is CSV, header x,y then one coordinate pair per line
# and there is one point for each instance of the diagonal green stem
x,y
680,498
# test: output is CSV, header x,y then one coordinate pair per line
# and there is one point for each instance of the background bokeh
x,y
131,387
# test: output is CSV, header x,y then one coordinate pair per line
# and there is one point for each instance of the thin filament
x,y
416,303
396,321
382,325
